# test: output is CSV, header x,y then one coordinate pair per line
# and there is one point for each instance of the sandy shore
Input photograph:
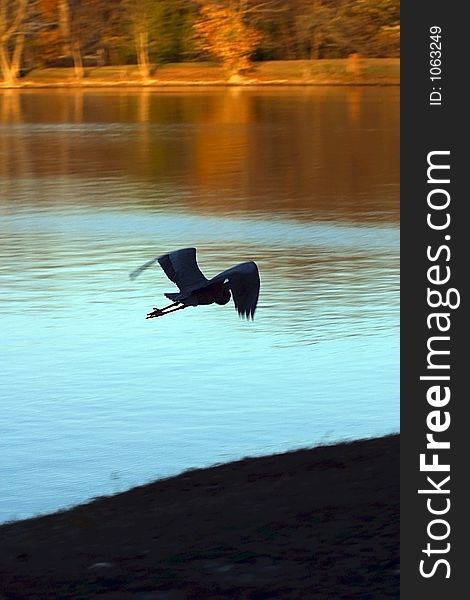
x,y
311,524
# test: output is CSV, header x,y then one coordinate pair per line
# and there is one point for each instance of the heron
x,y
241,282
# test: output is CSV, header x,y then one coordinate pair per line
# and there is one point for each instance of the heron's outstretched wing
x,y
244,283
139,270
181,267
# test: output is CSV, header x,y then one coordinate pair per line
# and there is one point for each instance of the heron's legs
x,y
159,312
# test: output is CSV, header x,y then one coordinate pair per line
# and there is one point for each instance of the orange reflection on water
x,y
309,151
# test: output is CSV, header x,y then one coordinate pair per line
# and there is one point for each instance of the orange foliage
x,y
48,9
223,33
49,40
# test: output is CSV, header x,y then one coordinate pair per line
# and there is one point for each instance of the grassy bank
x,y
320,523
299,72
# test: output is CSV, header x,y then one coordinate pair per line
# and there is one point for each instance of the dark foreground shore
x,y
311,524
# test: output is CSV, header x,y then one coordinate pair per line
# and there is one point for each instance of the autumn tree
x,y
271,18
223,32
386,16
58,37
52,38
175,32
71,28
12,34
144,20
315,26
87,23
370,27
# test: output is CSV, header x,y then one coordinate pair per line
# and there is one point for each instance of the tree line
x,y
41,33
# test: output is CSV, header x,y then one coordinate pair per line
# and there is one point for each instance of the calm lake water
x,y
305,181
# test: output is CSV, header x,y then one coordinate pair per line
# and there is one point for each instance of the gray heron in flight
x,y
180,266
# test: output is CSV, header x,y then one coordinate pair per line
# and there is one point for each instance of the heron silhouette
x,y
180,266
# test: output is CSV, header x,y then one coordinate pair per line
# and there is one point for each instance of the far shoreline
x,y
298,73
